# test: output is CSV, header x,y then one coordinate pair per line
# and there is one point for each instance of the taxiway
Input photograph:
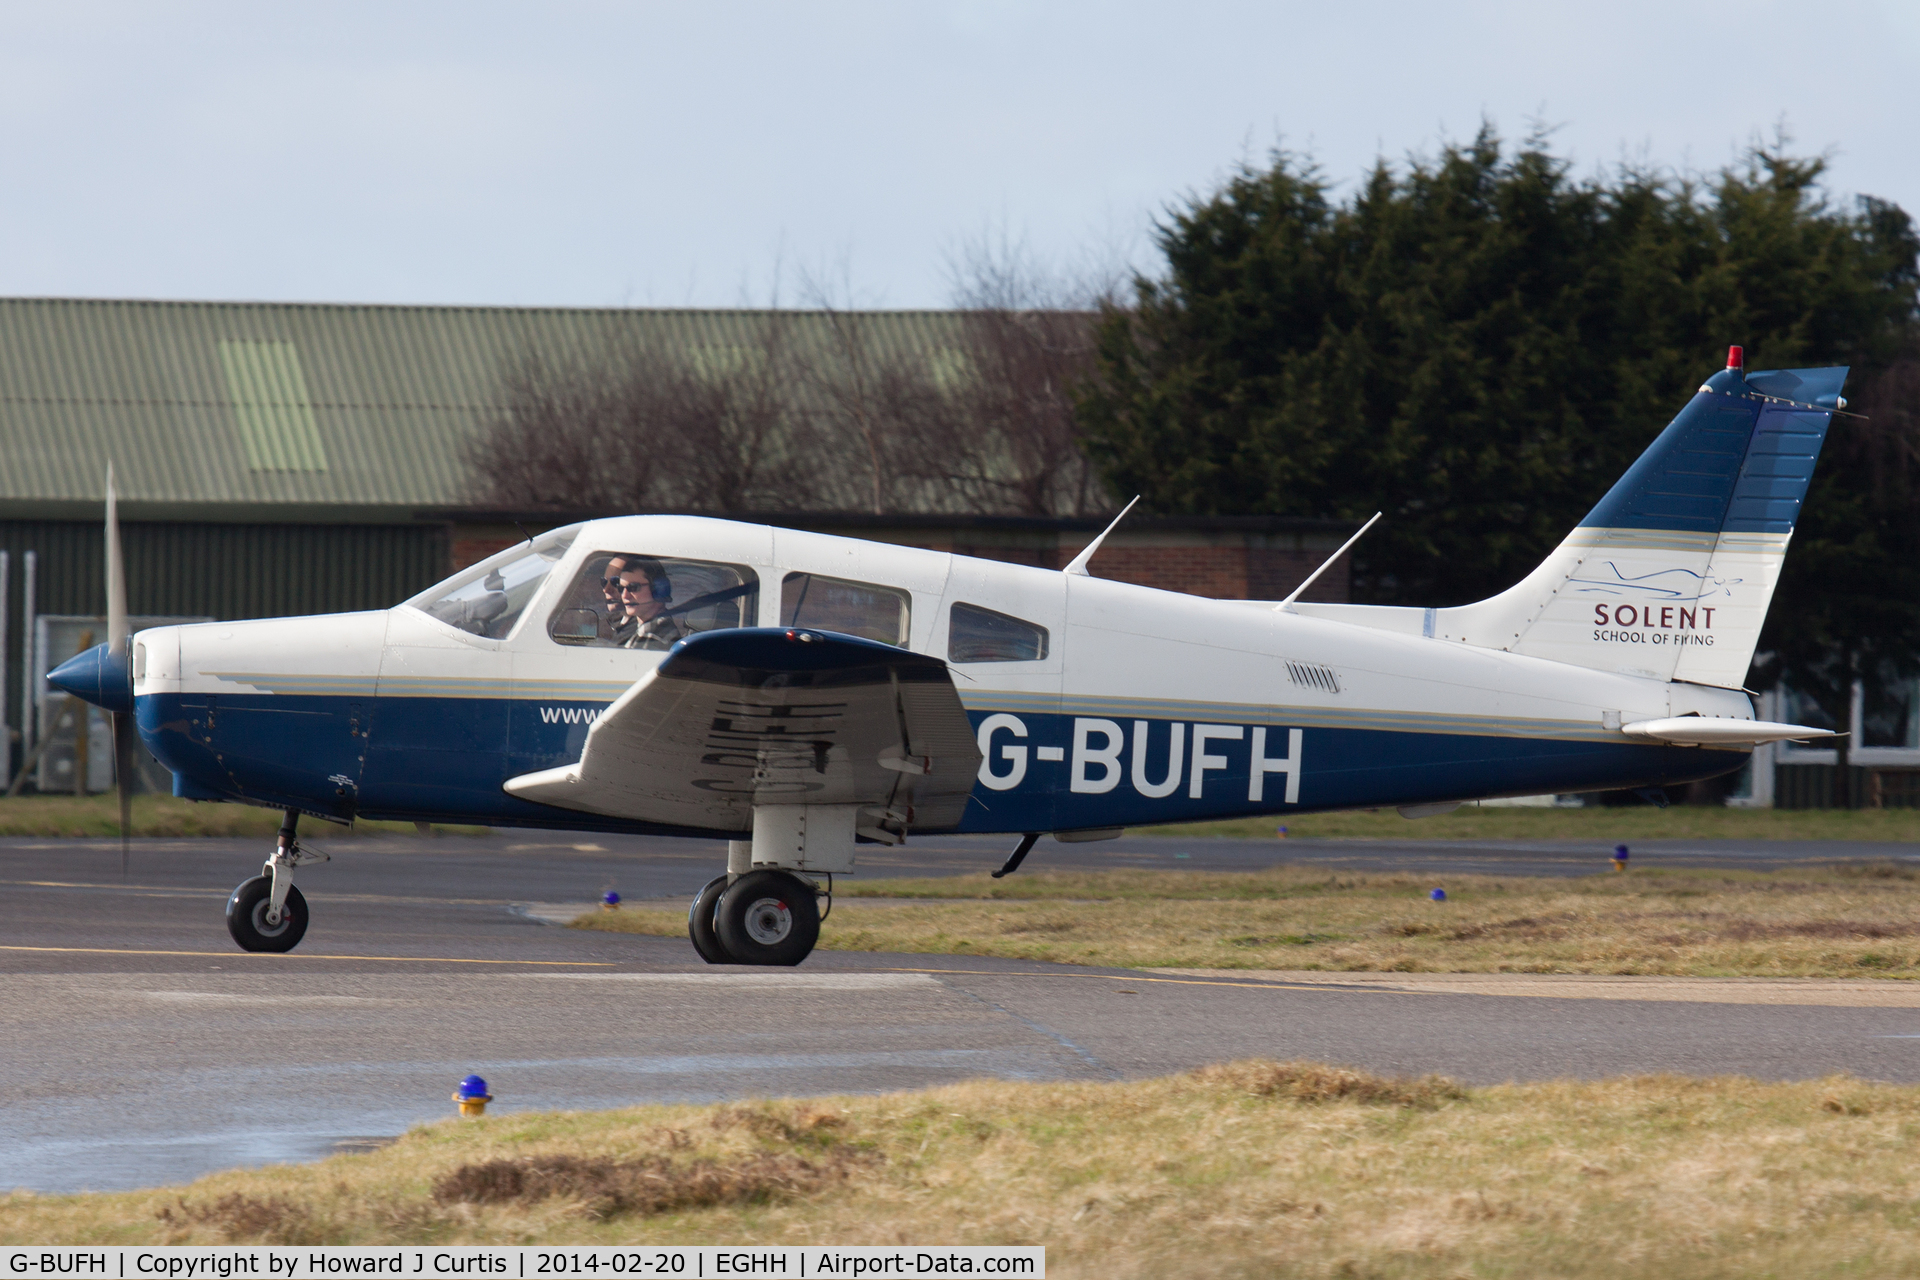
x,y
138,1046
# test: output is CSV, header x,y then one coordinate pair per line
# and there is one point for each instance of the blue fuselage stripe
x,y
444,759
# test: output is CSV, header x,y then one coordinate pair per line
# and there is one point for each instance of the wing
x,y
761,715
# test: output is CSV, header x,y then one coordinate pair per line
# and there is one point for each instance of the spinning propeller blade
x,y
124,733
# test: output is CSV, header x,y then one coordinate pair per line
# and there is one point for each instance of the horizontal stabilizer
x,y
1721,731
769,716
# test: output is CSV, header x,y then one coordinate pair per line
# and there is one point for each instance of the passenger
x,y
612,613
644,591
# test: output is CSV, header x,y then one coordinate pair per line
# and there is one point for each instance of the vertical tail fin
x,y
1670,575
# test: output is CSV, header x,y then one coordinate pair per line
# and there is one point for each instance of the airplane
x,y
798,695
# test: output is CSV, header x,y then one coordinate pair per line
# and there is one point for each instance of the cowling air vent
x,y
1314,676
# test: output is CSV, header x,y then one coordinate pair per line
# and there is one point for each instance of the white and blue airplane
x,y
797,694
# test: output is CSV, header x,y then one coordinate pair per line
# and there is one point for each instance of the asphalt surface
x,y
138,1046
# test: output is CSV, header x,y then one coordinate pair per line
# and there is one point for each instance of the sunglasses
x,y
635,588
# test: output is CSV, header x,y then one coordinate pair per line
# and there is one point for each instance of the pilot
x,y
644,592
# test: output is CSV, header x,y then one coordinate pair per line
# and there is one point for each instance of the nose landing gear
x,y
267,913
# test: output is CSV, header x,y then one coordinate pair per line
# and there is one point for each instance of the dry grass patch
x,y
1246,1169
1840,921
609,1188
1315,1082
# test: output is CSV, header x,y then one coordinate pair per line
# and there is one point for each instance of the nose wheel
x,y
763,918
267,913
247,917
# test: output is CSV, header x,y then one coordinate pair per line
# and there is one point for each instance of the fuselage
x,y
1096,703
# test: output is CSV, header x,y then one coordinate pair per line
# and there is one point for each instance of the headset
x,y
660,587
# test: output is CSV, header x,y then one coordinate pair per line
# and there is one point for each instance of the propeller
x,y
125,734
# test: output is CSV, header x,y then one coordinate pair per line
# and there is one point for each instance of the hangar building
x,y
280,459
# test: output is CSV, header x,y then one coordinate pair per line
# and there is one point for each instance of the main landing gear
x,y
755,915
267,913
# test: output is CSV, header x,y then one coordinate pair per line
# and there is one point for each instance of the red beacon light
x,y
1736,359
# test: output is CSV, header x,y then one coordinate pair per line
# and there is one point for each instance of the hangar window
x,y
487,599
632,600
981,635
851,608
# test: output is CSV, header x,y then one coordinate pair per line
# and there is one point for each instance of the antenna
x,y
1293,595
1079,564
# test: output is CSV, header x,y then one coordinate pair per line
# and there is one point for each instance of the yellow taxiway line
x,y
307,955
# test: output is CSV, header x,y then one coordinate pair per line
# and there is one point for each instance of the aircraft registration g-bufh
x,y
796,694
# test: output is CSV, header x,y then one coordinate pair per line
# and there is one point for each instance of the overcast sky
x,y
602,154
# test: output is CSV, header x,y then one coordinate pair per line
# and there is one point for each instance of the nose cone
x,y
99,676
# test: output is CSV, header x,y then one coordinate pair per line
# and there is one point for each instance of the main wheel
x,y
768,917
700,923
247,917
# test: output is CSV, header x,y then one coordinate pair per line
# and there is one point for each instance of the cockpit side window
x,y
982,635
851,608
634,600
489,598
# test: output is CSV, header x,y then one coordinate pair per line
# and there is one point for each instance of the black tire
x,y
768,917
246,917
700,923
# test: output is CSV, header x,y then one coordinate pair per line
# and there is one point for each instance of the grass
x,y
1606,824
1241,1170
99,817
1812,921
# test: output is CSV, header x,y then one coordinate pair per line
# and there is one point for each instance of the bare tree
x,y
562,437
983,424
834,408
645,428
746,443
1025,366
865,397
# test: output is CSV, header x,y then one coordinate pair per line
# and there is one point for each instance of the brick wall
x,y
472,550
1219,572
1243,568
1274,571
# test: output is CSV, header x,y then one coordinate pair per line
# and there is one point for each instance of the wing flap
x,y
736,718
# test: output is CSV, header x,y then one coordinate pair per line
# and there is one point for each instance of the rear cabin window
x,y
981,635
632,600
851,608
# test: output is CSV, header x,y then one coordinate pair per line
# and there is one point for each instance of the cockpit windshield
x,y
487,599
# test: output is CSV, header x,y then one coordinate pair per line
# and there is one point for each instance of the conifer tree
x,y
1480,343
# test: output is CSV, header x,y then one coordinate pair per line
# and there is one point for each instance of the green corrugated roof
x,y
247,404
